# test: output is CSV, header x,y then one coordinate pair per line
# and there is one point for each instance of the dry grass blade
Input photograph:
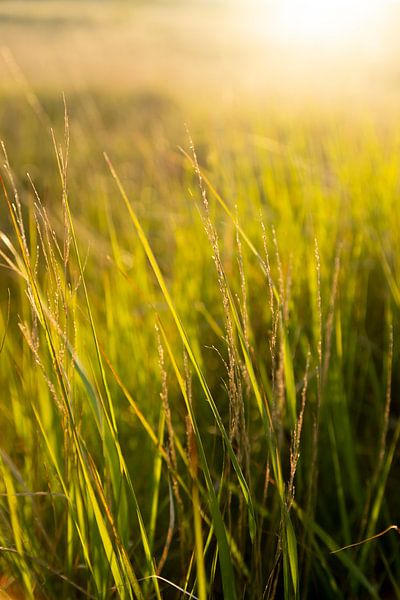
x,y
370,539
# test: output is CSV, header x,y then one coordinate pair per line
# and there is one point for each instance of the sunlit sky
x,y
239,49
329,22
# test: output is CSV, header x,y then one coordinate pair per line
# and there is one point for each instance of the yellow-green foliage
x,y
199,352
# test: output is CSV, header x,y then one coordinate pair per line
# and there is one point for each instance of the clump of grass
x,y
224,454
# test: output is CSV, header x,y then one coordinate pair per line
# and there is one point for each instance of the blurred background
x,y
207,52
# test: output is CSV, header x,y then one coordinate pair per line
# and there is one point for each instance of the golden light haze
x,y
283,50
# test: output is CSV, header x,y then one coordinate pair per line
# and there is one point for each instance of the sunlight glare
x,y
326,22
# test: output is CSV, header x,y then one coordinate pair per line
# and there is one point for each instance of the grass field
x,y
199,308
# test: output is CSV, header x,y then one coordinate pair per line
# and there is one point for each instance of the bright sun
x,y
327,21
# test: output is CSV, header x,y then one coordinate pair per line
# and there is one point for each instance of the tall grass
x,y
198,359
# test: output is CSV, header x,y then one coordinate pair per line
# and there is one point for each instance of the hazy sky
x,y
225,49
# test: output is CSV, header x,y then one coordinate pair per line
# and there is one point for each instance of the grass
x,y
198,352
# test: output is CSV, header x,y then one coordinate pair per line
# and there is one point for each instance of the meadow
x,y
199,311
